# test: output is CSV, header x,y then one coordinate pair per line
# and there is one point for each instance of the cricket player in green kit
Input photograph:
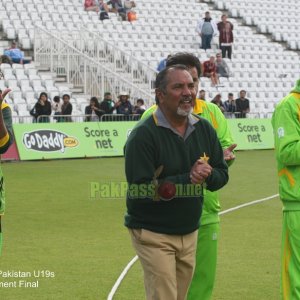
x,y
286,125
6,139
206,256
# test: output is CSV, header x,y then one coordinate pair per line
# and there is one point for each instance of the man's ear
x,y
159,95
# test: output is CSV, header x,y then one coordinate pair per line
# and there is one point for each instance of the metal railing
x,y
237,115
22,119
95,77
118,117
73,118
120,61
112,117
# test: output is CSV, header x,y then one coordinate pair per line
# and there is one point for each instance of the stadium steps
x,y
60,81
219,5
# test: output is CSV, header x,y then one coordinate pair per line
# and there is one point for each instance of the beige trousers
x,y
168,262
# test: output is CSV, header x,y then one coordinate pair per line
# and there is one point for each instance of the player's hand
x,y
3,94
200,171
228,154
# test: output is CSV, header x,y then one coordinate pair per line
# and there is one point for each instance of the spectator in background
x,y
93,111
140,107
117,7
103,10
206,28
230,106
91,5
128,4
242,105
107,105
202,95
56,107
5,59
42,109
66,108
226,36
124,106
222,67
162,63
15,54
218,101
210,70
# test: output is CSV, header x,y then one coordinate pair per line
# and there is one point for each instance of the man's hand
x,y
118,104
200,171
3,94
228,154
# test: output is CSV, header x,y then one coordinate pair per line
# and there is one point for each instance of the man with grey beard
x,y
168,158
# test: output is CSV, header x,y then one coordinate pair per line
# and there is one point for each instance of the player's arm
x,y
287,139
149,112
220,124
6,136
219,175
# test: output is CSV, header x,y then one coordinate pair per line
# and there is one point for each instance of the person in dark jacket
x,y
93,111
140,107
66,109
123,106
107,105
217,100
42,109
176,151
226,36
230,106
242,105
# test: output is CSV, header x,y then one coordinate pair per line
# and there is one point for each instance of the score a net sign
x,y
48,141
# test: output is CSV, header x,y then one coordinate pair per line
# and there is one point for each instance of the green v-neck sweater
x,y
150,146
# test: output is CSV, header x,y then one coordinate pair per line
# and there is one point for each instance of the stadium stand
x,y
264,68
269,17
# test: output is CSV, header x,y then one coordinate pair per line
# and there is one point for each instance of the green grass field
x,y
52,224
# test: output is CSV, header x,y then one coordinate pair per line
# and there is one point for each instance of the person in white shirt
x,y
207,28
56,107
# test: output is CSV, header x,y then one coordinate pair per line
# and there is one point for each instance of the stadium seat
x,y
2,85
21,76
29,96
162,29
8,74
37,86
25,85
11,33
21,107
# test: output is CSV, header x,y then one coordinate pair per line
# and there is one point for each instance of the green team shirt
x,y
286,125
216,118
4,145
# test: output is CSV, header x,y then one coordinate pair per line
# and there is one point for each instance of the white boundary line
x,y
130,264
121,277
247,204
